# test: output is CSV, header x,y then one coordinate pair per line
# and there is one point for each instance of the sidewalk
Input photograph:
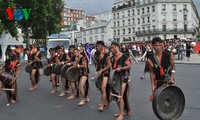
x,y
194,59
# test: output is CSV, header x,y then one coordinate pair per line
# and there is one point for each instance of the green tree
x,y
44,17
7,24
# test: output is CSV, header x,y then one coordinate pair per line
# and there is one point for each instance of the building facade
x,y
141,20
71,16
100,30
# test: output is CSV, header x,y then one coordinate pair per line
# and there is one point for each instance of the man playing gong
x,y
82,63
62,58
159,63
53,76
103,66
121,63
12,66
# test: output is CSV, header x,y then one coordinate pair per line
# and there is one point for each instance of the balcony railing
x,y
166,31
123,6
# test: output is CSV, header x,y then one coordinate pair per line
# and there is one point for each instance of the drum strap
x,y
13,65
161,68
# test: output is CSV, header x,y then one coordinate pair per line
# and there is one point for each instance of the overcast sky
x,y
100,6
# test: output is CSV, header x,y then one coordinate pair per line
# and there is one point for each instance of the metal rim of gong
x,y
28,68
115,81
64,70
73,74
58,68
168,102
47,70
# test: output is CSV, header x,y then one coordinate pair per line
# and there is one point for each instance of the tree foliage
x,y
44,17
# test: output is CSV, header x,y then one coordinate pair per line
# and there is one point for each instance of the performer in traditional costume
x,y
146,55
121,63
82,63
12,66
53,76
103,65
159,63
62,59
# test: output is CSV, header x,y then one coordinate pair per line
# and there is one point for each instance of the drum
x,y
57,69
168,102
28,68
115,81
6,78
47,70
73,74
64,70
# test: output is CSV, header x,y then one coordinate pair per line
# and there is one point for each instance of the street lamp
x,y
185,11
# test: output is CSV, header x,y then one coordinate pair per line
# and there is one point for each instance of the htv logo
x,y
18,14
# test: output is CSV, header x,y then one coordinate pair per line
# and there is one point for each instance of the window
x,y
174,17
148,28
133,12
148,19
174,7
133,30
147,9
153,8
133,38
142,20
129,21
103,30
118,31
114,16
138,20
114,24
143,28
164,27
154,28
129,30
138,30
133,21
128,12
185,27
164,17
185,6
175,27
123,22
117,15
138,11
123,14
163,7
142,10
185,17
117,23
114,32
123,31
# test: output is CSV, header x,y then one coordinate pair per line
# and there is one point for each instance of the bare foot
x,y
87,99
120,117
129,113
61,94
116,115
32,88
81,103
12,101
71,97
100,108
53,91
